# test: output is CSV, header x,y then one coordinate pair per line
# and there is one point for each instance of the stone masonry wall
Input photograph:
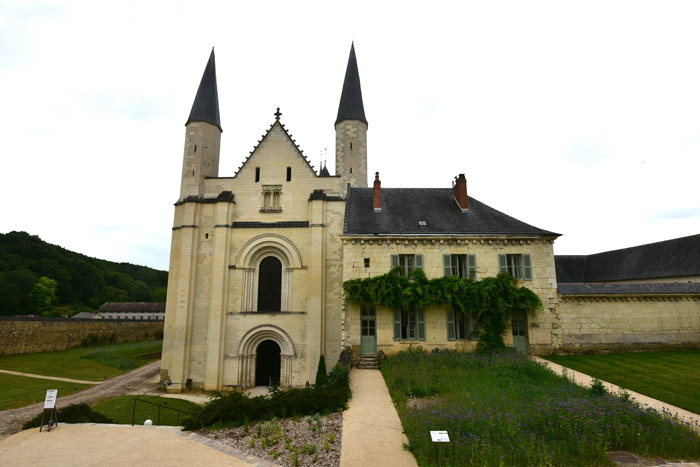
x,y
615,324
27,335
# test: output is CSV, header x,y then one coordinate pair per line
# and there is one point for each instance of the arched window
x,y
270,285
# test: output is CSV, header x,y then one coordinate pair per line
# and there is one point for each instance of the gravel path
x,y
135,381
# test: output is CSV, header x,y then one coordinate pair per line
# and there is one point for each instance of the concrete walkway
x,y
54,378
372,432
584,380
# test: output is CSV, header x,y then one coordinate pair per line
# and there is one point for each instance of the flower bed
x,y
504,409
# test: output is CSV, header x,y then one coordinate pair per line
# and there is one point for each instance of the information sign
x,y
440,437
50,401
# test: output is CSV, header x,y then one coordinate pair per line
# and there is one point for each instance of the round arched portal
x,y
270,348
267,364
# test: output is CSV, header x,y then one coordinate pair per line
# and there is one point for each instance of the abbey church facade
x,y
258,259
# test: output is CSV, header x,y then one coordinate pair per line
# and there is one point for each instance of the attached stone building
x,y
258,259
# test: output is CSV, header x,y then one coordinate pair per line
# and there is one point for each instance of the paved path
x,y
372,432
118,445
54,378
584,380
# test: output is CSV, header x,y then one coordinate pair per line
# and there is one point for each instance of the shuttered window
x,y
408,263
409,324
461,325
460,265
518,266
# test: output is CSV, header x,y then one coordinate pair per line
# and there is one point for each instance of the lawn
x,y
505,409
120,409
20,391
111,360
669,376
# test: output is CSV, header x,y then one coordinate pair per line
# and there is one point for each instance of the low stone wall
x,y
628,323
27,335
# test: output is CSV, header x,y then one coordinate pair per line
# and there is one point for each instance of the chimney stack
x,y
459,190
377,193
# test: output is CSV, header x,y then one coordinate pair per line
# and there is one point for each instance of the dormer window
x,y
271,198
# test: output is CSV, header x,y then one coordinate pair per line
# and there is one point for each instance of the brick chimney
x,y
459,191
377,193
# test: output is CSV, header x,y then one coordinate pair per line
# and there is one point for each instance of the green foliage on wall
x,y
491,300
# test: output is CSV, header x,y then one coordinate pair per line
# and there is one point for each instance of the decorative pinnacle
x,y
278,114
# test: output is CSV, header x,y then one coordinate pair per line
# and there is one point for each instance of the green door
x,y
519,324
368,326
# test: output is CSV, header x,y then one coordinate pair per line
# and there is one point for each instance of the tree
x,y
42,294
321,375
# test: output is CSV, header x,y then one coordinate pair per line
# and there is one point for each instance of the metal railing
x,y
133,415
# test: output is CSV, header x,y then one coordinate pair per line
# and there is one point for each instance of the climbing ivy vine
x,y
491,300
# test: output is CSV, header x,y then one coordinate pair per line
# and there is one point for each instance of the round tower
x,y
351,130
202,135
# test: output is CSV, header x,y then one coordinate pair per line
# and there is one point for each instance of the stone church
x,y
258,259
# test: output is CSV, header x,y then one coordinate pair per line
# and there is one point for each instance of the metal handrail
x,y
133,415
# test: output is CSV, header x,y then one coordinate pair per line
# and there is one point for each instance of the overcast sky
x,y
582,118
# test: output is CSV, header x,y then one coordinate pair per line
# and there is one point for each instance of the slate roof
x,y
403,208
351,106
132,307
629,288
671,258
206,104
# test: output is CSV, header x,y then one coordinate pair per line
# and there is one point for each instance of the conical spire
x,y
206,104
351,107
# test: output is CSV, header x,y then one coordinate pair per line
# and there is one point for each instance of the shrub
x,y
93,340
598,388
75,413
236,409
108,358
321,375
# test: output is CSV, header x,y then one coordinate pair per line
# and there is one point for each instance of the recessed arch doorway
x,y
268,363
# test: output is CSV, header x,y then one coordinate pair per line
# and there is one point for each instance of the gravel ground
x,y
280,440
11,421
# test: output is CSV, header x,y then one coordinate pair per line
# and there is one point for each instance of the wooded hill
x,y
81,282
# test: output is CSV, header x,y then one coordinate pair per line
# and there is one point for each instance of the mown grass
x,y
504,409
669,376
74,364
121,409
20,391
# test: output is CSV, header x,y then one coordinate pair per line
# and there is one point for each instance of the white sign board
x,y
439,437
50,401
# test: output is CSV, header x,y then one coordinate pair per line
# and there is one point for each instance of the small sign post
x,y
440,437
50,407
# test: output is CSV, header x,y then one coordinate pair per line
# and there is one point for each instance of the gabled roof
x,y
671,258
403,208
206,104
351,106
284,129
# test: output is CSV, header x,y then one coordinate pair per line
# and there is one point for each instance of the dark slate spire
x,y
351,107
206,104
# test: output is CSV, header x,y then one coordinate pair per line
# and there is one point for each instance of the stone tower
x,y
203,135
351,130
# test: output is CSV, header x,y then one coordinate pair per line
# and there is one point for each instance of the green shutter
x,y
450,324
397,324
471,264
394,261
447,262
419,261
421,323
527,267
503,264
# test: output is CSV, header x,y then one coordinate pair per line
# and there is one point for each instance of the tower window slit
x,y
195,148
257,174
350,169
351,146
289,174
